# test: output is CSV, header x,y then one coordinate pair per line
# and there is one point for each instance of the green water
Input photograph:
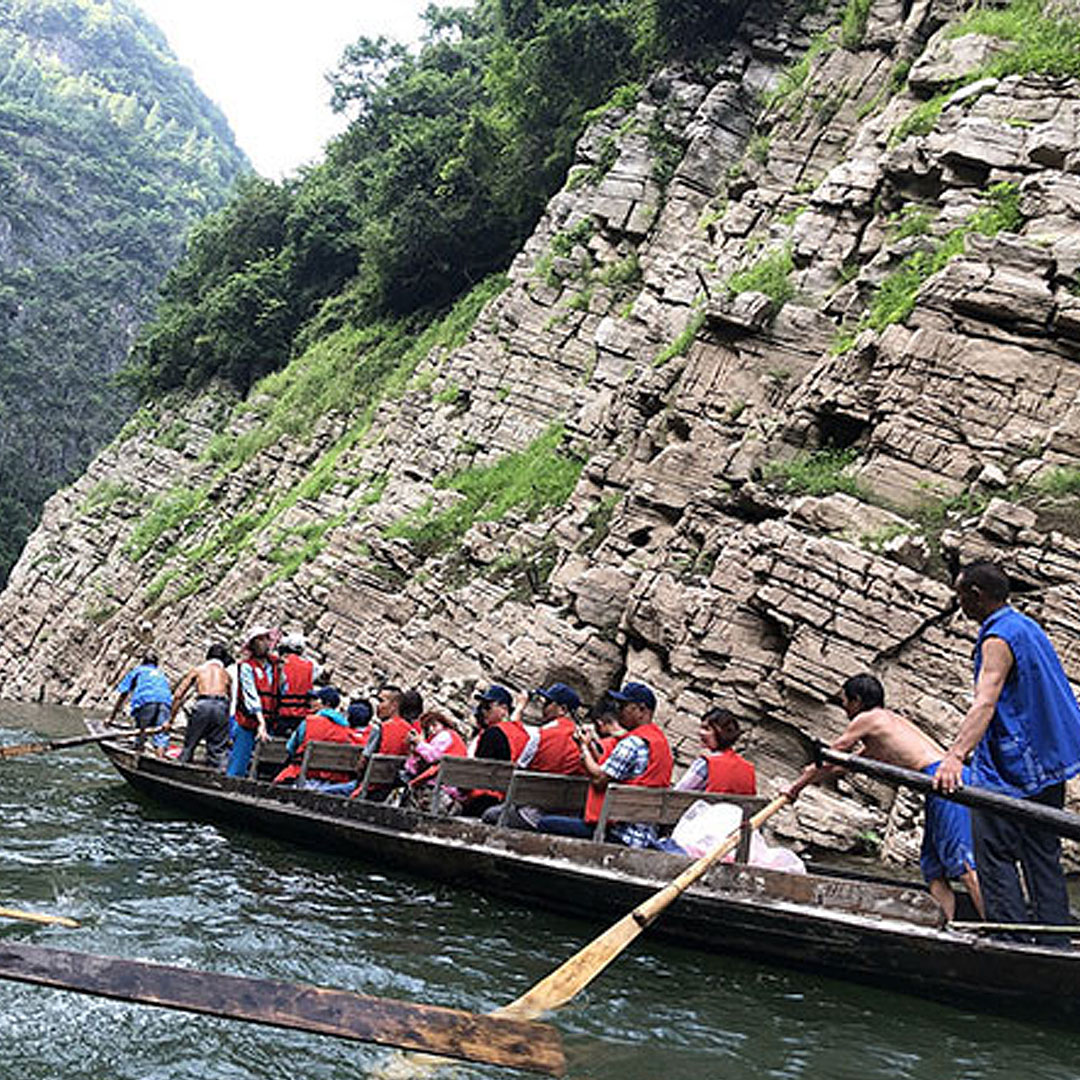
x,y
149,884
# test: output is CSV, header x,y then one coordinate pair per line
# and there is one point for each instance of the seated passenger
x,y
553,747
440,739
642,757
719,768
501,738
388,733
325,725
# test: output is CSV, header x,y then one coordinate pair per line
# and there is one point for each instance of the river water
x,y
149,884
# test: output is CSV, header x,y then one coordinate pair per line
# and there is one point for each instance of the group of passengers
x,y
280,693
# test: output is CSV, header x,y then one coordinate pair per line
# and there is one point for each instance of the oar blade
x,y
448,1032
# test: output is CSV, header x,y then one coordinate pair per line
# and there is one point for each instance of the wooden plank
x,y
546,791
382,769
268,759
342,1013
334,756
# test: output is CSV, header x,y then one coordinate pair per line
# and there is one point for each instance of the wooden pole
x,y
79,740
34,917
1061,821
448,1032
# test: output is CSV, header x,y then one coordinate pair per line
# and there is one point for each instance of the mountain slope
x,y
798,335
108,152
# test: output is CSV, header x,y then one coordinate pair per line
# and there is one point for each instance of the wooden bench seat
x,y
333,756
471,773
550,792
268,760
381,772
664,806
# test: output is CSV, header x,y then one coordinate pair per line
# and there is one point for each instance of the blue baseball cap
x,y
636,693
359,713
497,693
561,694
329,696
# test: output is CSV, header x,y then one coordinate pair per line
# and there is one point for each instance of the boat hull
x,y
880,934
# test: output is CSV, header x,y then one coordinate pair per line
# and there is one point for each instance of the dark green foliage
x,y
108,152
451,156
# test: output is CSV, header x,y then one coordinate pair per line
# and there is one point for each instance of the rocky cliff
x,y
796,337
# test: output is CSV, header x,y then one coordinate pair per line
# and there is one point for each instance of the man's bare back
x,y
211,679
887,736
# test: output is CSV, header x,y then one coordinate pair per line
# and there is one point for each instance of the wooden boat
x,y
861,930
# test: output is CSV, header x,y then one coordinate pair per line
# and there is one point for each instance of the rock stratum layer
x,y
777,481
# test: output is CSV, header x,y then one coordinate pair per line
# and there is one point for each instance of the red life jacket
x,y
267,686
299,678
657,772
557,752
730,773
395,736
319,728
516,736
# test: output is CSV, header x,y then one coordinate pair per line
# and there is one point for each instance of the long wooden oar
x,y
80,740
1061,821
34,917
571,977
575,974
449,1032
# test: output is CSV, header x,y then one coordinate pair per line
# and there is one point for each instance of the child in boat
x,y
877,732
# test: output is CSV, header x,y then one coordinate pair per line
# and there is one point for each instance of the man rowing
x,y
877,732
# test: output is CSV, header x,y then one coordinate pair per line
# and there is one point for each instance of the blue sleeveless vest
x,y
1033,740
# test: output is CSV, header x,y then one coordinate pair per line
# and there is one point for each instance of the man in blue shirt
x,y
151,699
1024,729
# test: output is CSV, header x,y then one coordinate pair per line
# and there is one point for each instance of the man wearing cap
x,y
553,748
502,736
327,724
642,758
259,685
298,674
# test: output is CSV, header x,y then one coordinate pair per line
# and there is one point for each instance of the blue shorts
x,y
948,850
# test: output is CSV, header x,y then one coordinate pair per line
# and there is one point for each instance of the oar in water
x,y
34,917
1061,821
573,975
570,978
452,1033
79,740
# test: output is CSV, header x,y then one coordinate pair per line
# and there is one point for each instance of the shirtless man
x,y
876,732
209,718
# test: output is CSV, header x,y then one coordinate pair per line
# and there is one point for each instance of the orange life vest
x,y
730,773
516,736
557,752
394,738
318,727
299,678
266,684
657,772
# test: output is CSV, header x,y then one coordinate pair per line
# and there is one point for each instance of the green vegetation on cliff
x,y
447,165
108,152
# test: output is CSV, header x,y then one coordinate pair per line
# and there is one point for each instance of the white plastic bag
x,y
704,825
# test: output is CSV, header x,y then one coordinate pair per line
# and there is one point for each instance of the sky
x,y
263,63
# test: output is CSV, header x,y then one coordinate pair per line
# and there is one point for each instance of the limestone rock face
x,y
810,365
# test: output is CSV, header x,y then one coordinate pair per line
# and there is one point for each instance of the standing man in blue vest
x,y
148,688
1024,729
